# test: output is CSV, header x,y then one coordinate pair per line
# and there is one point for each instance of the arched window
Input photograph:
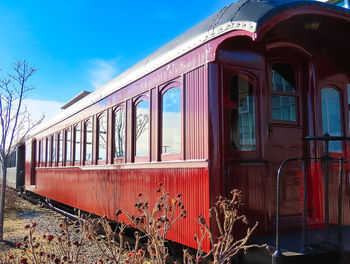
x,y
88,142
40,151
53,153
47,151
171,121
60,147
242,113
68,146
102,138
142,128
331,116
77,138
119,133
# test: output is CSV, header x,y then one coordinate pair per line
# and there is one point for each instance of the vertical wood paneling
x,y
102,192
251,180
196,119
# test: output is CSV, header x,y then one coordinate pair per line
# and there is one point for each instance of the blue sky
x,y
81,44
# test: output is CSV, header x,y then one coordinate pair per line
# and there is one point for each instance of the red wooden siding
x,y
251,179
102,192
333,196
196,114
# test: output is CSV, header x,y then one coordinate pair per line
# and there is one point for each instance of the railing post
x,y
340,202
278,255
326,189
304,207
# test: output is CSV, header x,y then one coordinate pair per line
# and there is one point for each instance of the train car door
x,y
285,132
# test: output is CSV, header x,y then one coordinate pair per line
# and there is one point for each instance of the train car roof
x,y
247,15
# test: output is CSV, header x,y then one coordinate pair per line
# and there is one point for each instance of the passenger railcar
x,y
220,107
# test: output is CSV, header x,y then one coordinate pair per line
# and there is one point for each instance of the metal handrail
x,y
278,253
276,257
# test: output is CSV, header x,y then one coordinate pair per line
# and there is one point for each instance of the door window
x,y
283,92
242,113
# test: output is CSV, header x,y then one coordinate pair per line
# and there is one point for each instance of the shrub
x,y
153,224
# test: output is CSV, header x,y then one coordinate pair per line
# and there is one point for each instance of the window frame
x,y
143,97
97,145
66,132
115,109
46,154
74,137
54,154
39,153
296,95
60,163
162,90
86,122
341,93
254,76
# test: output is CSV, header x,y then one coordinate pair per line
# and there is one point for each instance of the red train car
x,y
220,107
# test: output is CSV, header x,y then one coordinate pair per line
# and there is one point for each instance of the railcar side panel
x,y
196,109
102,192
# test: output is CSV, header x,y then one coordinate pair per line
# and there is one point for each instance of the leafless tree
x,y
141,124
15,122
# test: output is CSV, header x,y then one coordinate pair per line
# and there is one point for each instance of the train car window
x,y
119,133
102,138
12,160
331,116
283,94
171,121
142,128
39,153
88,142
60,147
46,152
349,104
68,146
242,113
53,157
77,136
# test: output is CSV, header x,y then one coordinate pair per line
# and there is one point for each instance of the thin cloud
x,y
38,108
102,71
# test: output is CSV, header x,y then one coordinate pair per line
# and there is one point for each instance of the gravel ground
x,y
22,212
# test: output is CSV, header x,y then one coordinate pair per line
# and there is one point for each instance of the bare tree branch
x,y
15,123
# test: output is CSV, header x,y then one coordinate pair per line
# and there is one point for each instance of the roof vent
x,y
75,99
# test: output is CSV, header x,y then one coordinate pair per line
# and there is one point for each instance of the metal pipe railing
x,y
277,256
326,138
340,202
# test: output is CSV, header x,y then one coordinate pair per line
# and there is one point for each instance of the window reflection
x,y
68,146
60,147
331,122
39,153
283,78
47,153
283,105
349,103
242,113
88,141
142,128
119,133
102,138
171,121
53,158
77,143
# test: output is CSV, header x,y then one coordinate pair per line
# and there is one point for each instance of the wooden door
x,y
285,131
